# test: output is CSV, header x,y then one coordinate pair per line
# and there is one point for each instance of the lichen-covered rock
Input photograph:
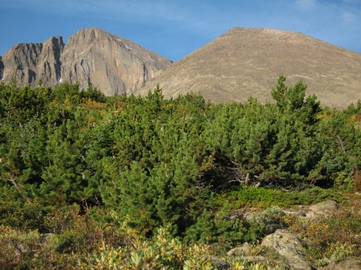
x,y
288,246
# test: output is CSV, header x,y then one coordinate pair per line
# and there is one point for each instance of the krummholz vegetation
x,y
101,173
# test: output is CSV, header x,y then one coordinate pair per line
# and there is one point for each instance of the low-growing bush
x,y
334,237
265,197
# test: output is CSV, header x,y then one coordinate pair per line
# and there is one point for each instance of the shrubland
x,y
128,182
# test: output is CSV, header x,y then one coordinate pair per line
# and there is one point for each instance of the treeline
x,y
151,162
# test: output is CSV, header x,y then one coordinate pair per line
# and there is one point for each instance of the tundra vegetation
x,y
130,182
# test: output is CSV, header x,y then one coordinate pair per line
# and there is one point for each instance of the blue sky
x,y
174,29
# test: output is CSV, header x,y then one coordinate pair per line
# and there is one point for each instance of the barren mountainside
x,y
91,57
31,61
247,62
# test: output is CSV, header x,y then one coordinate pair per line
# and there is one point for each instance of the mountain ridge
x,y
92,57
240,63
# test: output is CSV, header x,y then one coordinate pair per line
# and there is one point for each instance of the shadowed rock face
x,y
1,68
247,62
91,57
23,62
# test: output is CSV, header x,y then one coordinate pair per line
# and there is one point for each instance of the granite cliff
x,y
31,61
91,57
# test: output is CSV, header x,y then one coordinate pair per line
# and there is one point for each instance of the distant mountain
x,y
91,57
247,62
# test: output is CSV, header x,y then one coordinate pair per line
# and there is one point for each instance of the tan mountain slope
x,y
91,57
247,62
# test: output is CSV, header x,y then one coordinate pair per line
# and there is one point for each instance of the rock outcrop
x,y
91,57
291,247
323,208
288,246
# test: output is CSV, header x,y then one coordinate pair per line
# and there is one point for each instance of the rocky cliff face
x,y
1,68
112,63
21,61
49,64
91,57
30,62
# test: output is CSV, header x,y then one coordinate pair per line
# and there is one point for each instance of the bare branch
x,y
16,185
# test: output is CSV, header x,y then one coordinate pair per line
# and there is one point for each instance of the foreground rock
x,y
347,264
289,247
322,208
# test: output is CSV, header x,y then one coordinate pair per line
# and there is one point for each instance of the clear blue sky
x,y
176,28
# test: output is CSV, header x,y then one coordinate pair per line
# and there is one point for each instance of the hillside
x,y
246,62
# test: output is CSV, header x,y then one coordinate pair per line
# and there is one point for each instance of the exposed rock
x,y
91,57
254,259
1,68
288,246
347,264
298,213
21,62
219,263
109,62
322,208
246,62
49,65
328,205
31,62
244,250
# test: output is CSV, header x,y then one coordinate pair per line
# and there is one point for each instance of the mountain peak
x,y
246,62
92,57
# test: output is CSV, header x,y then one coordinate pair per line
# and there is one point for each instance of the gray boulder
x,y
323,208
288,246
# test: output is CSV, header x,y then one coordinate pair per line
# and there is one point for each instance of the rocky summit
x,y
246,62
91,57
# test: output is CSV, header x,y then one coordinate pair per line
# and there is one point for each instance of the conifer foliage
x,y
159,162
